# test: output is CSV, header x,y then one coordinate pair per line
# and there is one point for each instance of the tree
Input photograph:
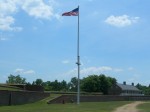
x,y
38,82
104,84
15,79
64,86
91,84
111,81
73,84
95,83
47,86
144,89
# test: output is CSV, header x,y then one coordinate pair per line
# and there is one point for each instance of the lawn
x,y
83,107
144,107
42,106
10,89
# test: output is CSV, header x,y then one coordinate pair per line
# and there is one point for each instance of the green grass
x,y
42,106
10,89
144,107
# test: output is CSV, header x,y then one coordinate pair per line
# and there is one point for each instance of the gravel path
x,y
129,107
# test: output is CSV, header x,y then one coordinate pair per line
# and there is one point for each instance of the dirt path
x,y
129,107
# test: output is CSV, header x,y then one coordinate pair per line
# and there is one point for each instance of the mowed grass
x,y
145,107
83,107
9,88
42,106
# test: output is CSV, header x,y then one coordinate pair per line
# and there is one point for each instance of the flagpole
x,y
78,61
75,12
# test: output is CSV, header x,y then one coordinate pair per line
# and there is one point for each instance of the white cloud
x,y
22,71
29,72
130,68
121,21
134,78
8,7
93,70
58,17
19,71
118,70
65,61
3,39
38,9
5,36
71,72
53,3
6,24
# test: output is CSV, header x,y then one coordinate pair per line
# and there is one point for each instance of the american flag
x,y
74,12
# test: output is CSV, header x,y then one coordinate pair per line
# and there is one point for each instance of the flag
x,y
74,12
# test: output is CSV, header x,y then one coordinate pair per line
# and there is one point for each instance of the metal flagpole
x,y
75,12
78,61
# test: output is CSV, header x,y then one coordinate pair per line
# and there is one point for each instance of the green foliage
x,y
47,86
56,85
144,89
73,84
15,79
52,86
95,83
92,83
64,86
38,82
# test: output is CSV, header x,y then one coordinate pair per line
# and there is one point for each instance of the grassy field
x,y
42,106
144,107
83,107
10,89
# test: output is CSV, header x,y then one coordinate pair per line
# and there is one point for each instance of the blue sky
x,y
37,42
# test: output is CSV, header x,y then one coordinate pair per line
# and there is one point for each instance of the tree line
x,y
145,89
92,83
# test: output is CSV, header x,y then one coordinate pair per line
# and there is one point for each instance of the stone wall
x,y
20,97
